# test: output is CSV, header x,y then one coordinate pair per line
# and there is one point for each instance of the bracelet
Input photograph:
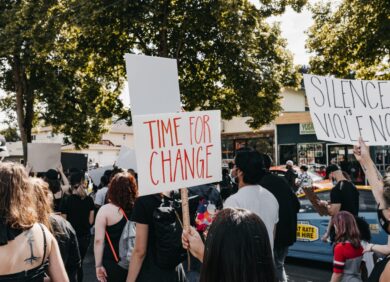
x,y
372,246
98,266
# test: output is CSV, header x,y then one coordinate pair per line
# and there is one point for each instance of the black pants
x,y
115,273
84,241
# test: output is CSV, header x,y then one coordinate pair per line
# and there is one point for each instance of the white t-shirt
x,y
100,197
259,201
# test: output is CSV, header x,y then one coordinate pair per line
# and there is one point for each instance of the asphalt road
x,y
297,270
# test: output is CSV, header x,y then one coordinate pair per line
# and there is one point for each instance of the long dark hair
x,y
237,249
122,191
346,228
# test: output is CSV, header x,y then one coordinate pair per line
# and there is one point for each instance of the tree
x,y
351,40
47,76
10,134
228,57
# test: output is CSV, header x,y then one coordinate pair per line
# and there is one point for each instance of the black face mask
x,y
384,223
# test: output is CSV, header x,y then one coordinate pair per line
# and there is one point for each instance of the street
x,y
297,270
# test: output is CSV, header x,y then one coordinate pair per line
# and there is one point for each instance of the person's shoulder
x,y
231,201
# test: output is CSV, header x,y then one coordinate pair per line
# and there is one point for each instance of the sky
x,y
293,26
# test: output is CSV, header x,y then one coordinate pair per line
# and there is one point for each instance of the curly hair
x,y
122,191
17,207
43,202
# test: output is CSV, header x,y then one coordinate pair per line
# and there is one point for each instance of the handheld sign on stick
x,y
173,149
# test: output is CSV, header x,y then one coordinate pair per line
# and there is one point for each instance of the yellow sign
x,y
306,232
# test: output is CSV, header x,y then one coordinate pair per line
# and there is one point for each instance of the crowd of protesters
x,y
242,227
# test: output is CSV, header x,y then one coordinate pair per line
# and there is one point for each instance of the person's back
x,y
260,201
68,244
288,208
24,254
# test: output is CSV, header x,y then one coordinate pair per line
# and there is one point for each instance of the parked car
x,y
318,181
311,226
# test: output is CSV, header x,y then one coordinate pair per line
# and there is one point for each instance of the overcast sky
x,y
293,26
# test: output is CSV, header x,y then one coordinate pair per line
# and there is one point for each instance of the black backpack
x,y
167,221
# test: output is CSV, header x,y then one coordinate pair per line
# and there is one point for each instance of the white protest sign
x,y
153,84
126,159
97,173
177,150
343,109
43,156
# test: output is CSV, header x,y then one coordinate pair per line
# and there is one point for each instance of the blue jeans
x,y
280,254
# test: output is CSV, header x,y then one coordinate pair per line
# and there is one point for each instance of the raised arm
x,y
362,154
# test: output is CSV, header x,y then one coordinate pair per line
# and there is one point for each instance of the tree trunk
x,y
163,48
20,81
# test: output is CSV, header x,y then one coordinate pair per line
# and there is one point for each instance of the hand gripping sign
x,y
177,150
343,109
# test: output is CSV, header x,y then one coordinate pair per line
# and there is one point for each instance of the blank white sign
x,y
43,156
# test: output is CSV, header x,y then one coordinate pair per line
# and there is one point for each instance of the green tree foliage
x,y
351,40
229,58
48,77
10,134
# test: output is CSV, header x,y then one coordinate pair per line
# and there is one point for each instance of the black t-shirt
x,y
286,228
67,242
143,213
346,194
77,212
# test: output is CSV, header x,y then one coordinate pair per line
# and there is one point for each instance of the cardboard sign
x,y
74,160
43,156
153,84
97,173
177,150
126,158
342,109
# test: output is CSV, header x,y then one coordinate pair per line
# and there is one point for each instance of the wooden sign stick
x,y
186,218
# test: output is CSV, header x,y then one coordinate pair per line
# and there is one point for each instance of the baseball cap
x,y
331,168
290,162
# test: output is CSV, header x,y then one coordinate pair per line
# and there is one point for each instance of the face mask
x,y
233,179
384,223
334,181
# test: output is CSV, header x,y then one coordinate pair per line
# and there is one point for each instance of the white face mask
x,y
233,178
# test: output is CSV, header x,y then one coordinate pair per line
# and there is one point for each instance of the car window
x,y
366,201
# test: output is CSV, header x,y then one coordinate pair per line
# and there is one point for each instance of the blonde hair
x,y
17,206
43,201
79,190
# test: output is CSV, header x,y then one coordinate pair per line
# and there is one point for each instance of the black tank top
x,y
114,232
36,274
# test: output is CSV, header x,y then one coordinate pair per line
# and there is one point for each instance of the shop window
x,y
287,152
311,154
227,147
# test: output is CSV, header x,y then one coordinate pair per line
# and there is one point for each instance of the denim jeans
x,y
280,254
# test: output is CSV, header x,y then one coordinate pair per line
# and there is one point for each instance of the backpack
x,y
126,243
168,251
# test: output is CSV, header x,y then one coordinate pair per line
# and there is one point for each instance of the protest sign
x,y
126,159
153,84
43,156
74,161
177,150
97,173
343,109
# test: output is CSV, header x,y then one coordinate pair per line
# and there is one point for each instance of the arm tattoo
x,y
30,240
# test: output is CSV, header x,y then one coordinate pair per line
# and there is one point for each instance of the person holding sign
x,y
249,169
381,191
343,197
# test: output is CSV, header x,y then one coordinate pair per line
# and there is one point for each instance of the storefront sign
x,y
306,232
306,128
177,150
343,109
